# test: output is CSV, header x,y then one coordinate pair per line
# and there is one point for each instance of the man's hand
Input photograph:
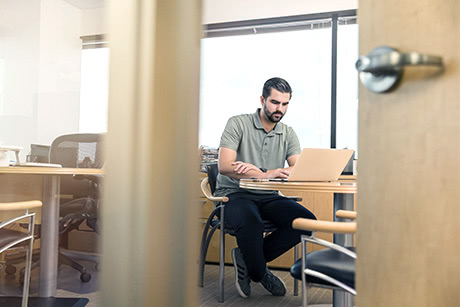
x,y
242,168
282,173
228,166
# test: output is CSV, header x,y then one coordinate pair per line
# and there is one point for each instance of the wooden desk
x,y
49,180
343,186
343,191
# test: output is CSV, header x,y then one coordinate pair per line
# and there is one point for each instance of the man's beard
x,y
271,117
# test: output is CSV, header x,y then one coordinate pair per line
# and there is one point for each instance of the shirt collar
x,y
258,123
256,119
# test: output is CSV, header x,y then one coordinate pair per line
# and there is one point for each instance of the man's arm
x,y
228,166
291,161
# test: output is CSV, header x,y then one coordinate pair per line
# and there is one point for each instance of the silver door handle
x,y
382,69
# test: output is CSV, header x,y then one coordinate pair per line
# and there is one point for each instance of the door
x,y
408,171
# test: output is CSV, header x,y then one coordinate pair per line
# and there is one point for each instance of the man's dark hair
x,y
279,84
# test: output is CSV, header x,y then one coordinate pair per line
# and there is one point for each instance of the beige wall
x,y
93,21
231,10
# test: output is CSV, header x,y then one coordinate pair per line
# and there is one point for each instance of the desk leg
x,y
342,201
49,236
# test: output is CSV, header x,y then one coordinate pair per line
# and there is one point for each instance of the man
x,y
257,146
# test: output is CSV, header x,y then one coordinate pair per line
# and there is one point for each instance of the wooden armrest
x,y
20,205
324,226
296,198
207,192
346,214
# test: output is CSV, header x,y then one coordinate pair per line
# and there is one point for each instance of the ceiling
x,y
86,4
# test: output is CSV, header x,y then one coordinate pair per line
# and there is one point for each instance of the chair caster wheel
x,y
85,277
10,269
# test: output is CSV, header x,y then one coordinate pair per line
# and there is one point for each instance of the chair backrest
x,y
212,170
81,150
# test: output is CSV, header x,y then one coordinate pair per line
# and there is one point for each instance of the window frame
x,y
292,23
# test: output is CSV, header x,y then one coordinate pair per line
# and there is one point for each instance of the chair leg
x,y
204,250
84,275
17,258
35,264
296,282
70,262
221,256
342,298
25,291
202,258
303,253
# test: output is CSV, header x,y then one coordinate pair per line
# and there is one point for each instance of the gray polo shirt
x,y
246,135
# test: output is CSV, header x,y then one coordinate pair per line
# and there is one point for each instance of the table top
x,y
38,170
341,186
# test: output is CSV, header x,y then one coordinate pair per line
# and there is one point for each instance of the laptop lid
x,y
318,164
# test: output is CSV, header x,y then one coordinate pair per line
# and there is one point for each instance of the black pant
x,y
245,211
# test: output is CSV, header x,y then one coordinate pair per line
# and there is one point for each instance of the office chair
x,y
78,151
208,187
12,238
333,267
74,151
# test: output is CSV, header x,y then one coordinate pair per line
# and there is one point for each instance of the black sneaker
x,y
242,280
273,284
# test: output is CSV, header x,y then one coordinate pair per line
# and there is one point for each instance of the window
x,y
301,49
347,86
234,69
94,85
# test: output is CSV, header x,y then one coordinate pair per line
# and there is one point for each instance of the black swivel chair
x,y
333,267
78,151
74,151
208,187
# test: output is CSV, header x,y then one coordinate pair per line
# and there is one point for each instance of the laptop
x,y
318,164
